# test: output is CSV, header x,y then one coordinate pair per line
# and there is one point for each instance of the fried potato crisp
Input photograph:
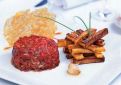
x,y
25,23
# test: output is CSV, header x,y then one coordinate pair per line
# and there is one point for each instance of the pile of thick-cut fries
x,y
83,47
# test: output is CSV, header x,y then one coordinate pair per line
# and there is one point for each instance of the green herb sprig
x,y
90,23
87,27
56,22
82,21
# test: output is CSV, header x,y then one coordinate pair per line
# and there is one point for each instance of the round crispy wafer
x,y
25,23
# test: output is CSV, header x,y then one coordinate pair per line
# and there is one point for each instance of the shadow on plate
x,y
116,29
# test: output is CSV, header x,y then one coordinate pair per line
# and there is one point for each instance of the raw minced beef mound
x,y
35,53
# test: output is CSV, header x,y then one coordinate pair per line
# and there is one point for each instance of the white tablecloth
x,y
83,10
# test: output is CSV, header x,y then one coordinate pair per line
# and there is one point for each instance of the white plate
x,y
117,21
98,73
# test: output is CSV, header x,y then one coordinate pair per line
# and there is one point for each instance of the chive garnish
x,y
89,22
55,21
88,28
82,21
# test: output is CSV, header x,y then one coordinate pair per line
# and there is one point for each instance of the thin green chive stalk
x,y
90,20
88,28
82,21
89,23
56,22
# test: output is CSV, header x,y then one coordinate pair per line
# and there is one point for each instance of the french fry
x,y
65,50
80,50
72,46
99,42
73,34
91,39
79,31
83,35
68,42
87,60
82,44
88,54
69,56
96,48
70,37
61,42
99,55
78,56
80,38
100,49
93,48
92,31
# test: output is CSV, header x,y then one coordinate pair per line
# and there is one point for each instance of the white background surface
x,y
83,11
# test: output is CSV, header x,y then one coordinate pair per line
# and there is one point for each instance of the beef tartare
x,y
35,53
